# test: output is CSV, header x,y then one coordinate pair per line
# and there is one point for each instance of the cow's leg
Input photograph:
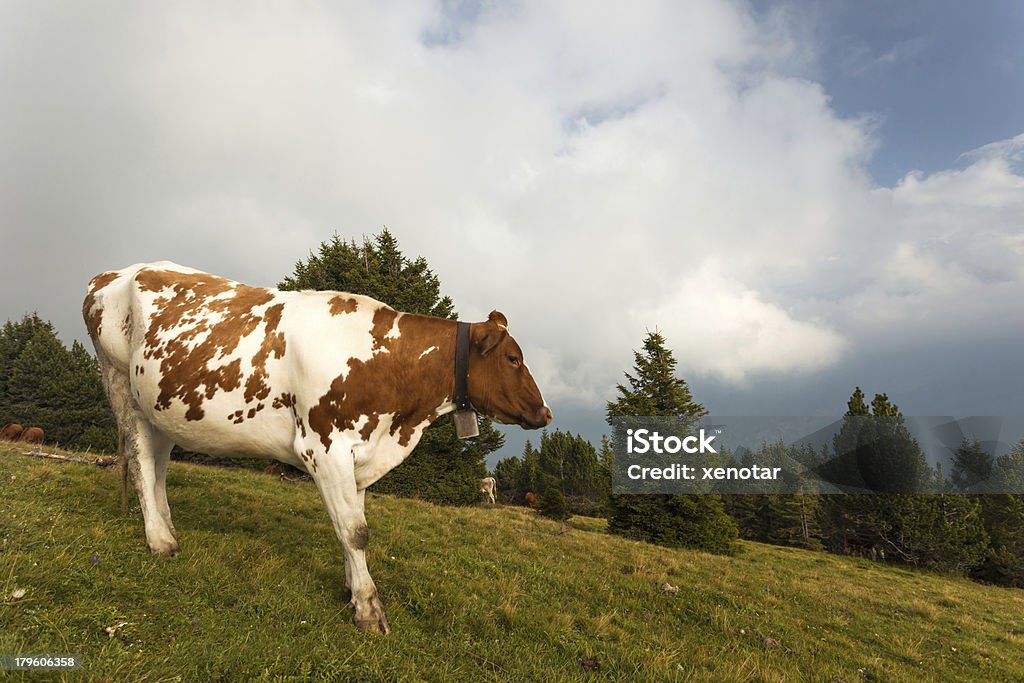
x,y
335,479
161,459
146,452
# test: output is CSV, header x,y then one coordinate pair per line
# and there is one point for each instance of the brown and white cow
x,y
489,486
337,384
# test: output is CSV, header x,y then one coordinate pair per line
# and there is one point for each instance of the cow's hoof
x,y
374,625
164,549
370,617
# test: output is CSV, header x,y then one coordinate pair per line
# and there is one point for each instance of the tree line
x,y
938,527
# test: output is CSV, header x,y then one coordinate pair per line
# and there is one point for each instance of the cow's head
x,y
500,384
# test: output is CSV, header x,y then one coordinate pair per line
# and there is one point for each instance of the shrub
x,y
674,521
552,504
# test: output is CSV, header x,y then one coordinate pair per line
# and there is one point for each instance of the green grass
x,y
471,594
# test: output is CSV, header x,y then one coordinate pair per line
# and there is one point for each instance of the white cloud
x,y
949,264
720,326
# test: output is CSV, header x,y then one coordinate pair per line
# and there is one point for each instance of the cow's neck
x,y
443,374
423,356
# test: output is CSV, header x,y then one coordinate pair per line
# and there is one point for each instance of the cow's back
x,y
213,363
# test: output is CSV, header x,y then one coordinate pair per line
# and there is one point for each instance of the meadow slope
x,y
471,594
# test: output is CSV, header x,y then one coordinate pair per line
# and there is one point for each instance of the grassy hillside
x,y
471,594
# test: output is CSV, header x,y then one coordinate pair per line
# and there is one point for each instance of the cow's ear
x,y
498,318
488,335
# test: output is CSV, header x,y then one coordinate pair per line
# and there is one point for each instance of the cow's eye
x,y
513,359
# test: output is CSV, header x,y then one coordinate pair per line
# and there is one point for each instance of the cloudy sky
x,y
801,196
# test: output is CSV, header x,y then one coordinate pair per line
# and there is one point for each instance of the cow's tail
x,y
122,456
106,304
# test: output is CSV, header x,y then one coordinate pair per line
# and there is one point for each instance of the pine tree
x,y
1003,564
874,450
441,469
603,482
790,519
699,521
570,462
376,268
1008,472
13,339
654,389
1003,515
971,465
530,474
45,384
604,457
506,473
552,504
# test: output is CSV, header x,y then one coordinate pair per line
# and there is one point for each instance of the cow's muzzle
x,y
541,419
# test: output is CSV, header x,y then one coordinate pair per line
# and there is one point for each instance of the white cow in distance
x,y
489,486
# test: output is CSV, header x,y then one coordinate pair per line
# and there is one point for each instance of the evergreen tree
x,y
1003,563
699,521
792,519
442,468
45,384
805,510
569,461
604,464
874,450
896,463
654,389
506,476
376,268
552,504
15,338
566,461
1008,472
779,518
581,481
1003,514
971,465
603,484
530,474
